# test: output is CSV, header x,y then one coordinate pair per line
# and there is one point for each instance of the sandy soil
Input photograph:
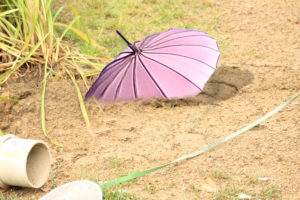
x,y
261,71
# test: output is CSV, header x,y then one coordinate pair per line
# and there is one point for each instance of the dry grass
x,y
29,38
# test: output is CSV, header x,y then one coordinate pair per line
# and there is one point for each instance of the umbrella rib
x,y
122,79
152,78
134,78
154,43
168,36
106,87
175,72
182,37
105,69
181,56
112,62
153,36
109,76
182,45
126,52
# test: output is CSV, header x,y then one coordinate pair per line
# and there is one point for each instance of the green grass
x,y
270,192
249,185
251,180
9,99
1,132
219,175
117,194
114,162
120,169
229,192
136,19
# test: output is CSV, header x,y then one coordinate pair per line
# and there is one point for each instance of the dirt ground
x,y
261,71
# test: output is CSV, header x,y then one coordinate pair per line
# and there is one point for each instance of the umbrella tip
x,y
120,34
128,43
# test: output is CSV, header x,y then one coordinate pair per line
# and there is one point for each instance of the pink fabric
x,y
174,64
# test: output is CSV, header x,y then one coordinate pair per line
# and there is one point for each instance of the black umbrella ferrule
x,y
131,46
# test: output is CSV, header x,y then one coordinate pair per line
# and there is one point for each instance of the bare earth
x,y
260,70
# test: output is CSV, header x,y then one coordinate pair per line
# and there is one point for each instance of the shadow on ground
x,y
224,84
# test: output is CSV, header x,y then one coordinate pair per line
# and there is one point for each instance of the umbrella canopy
x,y
173,64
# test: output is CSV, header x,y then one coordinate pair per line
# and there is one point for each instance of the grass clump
x,y
270,192
229,192
31,36
219,175
249,186
114,162
117,194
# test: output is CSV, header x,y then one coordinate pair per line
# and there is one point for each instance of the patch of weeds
x,y
249,185
114,162
70,35
151,189
94,23
202,173
252,180
224,46
171,185
206,4
95,4
117,194
254,53
88,174
215,23
230,192
55,174
89,49
219,175
195,189
189,196
117,44
168,14
9,197
270,192
53,183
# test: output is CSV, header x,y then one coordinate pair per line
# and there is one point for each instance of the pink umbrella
x,y
174,64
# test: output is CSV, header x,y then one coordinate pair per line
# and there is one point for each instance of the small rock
x,y
105,131
244,196
263,178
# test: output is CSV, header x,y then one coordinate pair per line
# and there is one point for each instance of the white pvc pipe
x,y
23,162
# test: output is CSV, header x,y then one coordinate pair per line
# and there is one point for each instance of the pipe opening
x,y
38,165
